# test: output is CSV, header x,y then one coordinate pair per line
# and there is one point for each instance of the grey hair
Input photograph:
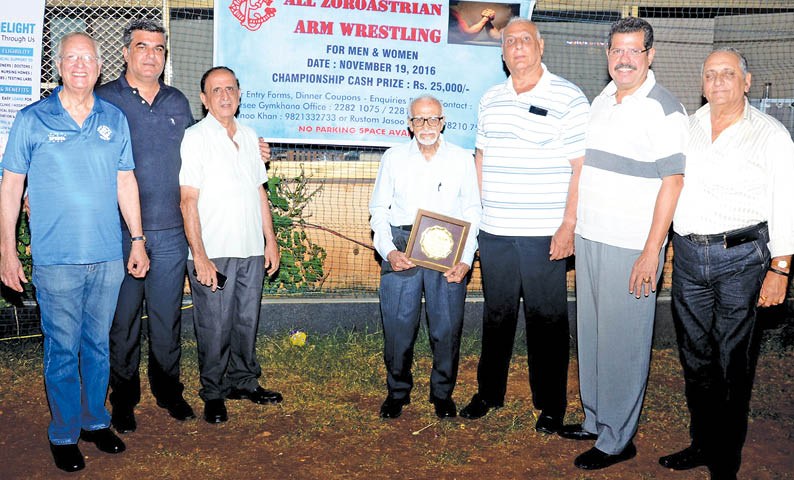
x,y
419,99
63,39
517,20
59,49
143,24
631,25
742,59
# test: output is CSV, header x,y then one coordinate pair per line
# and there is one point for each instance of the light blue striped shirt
x,y
527,142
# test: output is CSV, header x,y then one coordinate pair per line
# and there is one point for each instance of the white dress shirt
x,y
741,179
406,182
228,180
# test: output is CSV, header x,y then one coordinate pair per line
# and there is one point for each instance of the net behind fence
x,y
336,218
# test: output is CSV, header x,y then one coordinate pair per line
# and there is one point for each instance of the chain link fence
x,y
336,218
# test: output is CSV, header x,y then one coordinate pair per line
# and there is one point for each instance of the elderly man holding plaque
x,y
439,178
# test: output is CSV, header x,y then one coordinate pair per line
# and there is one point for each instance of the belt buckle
x,y
724,239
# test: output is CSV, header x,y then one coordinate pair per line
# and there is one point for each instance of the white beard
x,y
426,141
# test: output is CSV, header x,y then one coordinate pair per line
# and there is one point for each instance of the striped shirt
x,y
631,146
741,179
527,142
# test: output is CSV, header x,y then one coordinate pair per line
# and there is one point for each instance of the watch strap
x,y
779,272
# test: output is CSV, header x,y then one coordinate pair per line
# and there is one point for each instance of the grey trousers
x,y
615,330
226,322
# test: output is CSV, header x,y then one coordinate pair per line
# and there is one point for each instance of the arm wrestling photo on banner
x,y
391,239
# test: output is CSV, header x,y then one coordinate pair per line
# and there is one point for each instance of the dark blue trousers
x,y
715,291
515,267
400,304
162,286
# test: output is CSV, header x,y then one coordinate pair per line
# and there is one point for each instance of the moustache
x,y
624,65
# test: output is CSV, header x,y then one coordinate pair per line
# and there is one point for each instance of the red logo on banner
x,y
249,14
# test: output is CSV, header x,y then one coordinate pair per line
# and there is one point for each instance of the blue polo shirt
x,y
157,132
72,174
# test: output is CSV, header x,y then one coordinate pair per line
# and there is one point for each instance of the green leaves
x,y
302,260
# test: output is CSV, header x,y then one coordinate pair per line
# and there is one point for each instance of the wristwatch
x,y
780,267
142,238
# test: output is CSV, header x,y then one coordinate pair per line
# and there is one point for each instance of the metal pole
x,y
169,71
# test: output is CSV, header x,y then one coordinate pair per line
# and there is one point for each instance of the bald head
x,y
521,20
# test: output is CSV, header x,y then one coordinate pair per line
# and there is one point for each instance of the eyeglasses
x,y
724,76
72,58
432,121
631,52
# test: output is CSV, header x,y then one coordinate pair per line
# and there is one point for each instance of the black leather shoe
x,y
260,396
123,420
215,411
594,458
548,424
576,432
445,408
67,457
477,408
393,407
104,439
178,408
690,457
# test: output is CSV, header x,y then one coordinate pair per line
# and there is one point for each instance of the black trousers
x,y
714,294
162,286
512,268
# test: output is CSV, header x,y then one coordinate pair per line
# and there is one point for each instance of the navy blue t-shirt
x,y
156,132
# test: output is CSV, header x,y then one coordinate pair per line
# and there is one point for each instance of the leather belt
x,y
406,228
730,238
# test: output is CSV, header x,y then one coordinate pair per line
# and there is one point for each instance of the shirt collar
x,y
650,81
215,126
55,107
545,79
123,83
703,116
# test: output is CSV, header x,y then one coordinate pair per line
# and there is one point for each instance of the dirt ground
x,y
294,440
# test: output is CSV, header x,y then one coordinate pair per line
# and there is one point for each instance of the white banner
x,y
344,71
21,26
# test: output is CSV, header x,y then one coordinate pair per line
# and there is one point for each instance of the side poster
x,y
20,61
344,71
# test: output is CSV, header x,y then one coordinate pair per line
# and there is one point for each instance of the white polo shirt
x,y
406,182
228,180
741,179
528,141
631,146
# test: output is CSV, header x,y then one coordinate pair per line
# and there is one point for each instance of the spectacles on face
x,y
432,121
72,58
631,52
724,76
